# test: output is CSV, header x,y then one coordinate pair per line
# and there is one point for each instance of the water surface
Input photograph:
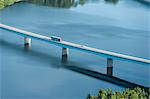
x,y
121,26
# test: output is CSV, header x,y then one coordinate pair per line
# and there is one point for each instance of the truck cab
x,y
56,38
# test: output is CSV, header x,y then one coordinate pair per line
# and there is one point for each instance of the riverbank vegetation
x,y
136,93
4,3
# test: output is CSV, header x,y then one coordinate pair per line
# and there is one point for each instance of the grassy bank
x,y
4,3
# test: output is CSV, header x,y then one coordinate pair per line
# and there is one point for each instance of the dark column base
x,y
110,71
27,47
64,59
110,66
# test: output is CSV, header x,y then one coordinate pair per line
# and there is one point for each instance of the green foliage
x,y
8,2
1,4
136,93
4,3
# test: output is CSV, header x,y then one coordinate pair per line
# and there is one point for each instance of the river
x,y
120,26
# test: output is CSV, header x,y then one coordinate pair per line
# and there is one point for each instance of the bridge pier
x,y
110,66
65,53
27,43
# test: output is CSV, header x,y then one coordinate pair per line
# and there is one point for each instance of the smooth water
x,y
121,26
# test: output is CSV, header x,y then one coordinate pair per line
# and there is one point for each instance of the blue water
x,y
39,74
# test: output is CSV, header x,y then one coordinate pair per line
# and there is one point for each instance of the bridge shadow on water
x,y
104,77
56,63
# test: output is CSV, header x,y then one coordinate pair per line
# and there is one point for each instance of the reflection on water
x,y
55,3
75,3
112,1
67,3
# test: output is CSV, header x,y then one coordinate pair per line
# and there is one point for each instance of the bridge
x,y
68,45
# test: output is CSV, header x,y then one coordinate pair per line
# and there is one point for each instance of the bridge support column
x,y
109,66
27,43
65,53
